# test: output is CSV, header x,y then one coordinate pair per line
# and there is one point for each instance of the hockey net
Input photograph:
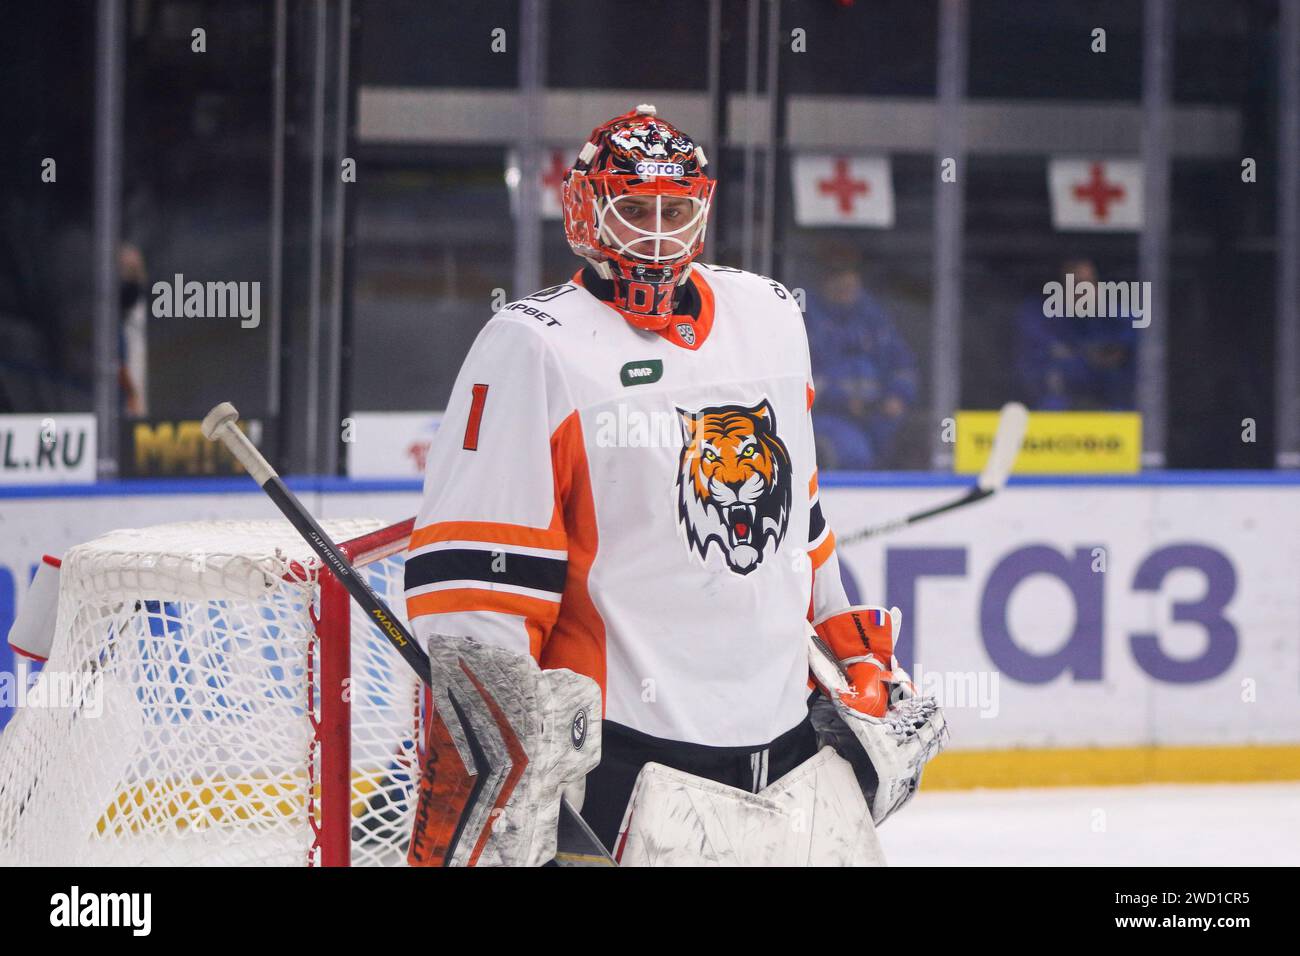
x,y
212,696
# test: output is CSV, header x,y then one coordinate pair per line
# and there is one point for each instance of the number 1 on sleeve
x,y
475,417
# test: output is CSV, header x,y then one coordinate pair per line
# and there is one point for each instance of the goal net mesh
x,y
178,718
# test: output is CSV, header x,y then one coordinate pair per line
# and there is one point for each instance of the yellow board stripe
x,y
203,803
582,859
216,802
1097,766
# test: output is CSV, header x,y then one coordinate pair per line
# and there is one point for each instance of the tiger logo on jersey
x,y
733,483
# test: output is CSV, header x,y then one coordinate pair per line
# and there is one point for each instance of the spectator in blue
x,y
864,372
1077,363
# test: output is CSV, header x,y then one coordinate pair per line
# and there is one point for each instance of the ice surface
x,y
1256,824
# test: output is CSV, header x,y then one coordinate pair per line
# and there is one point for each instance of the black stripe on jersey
x,y
496,567
816,523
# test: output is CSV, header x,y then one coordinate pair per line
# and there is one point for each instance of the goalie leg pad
x,y
503,742
815,815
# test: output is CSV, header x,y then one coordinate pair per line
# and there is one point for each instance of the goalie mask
x,y
636,204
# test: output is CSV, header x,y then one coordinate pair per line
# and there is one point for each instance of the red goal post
x,y
335,638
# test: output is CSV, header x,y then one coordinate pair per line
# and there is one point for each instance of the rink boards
x,y
1076,631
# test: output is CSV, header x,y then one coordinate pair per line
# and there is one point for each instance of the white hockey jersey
x,y
639,507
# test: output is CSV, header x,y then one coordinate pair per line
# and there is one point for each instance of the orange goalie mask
x,y
636,204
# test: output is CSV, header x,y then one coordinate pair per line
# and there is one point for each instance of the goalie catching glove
x,y
871,712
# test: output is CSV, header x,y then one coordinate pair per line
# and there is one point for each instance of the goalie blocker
x,y
503,742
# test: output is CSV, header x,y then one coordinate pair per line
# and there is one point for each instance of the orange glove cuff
x,y
857,631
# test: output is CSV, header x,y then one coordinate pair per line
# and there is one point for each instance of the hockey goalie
x,y
621,521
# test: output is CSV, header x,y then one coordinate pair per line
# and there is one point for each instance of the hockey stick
x,y
1012,422
576,844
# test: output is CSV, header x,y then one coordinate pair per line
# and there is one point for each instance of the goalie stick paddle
x,y
576,844
1012,422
